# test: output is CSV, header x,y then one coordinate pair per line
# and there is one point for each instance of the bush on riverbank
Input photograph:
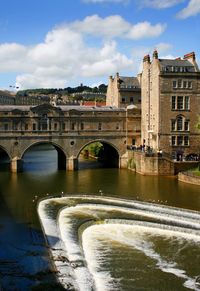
x,y
196,171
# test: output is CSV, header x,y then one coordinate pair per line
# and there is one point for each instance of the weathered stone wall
x,y
189,179
112,95
150,165
154,165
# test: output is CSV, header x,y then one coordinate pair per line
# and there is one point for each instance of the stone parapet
x,y
147,165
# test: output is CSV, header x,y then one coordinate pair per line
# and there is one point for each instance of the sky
x,y
62,43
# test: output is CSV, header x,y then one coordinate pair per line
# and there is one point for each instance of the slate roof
x,y
177,63
62,107
129,82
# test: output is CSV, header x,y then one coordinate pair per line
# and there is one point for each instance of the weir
x,y
68,216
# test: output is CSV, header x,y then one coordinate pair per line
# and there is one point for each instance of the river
x,y
24,256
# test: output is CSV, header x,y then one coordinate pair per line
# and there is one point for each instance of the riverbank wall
x,y
157,165
190,178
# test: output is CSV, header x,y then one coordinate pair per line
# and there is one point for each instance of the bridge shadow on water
x,y
24,253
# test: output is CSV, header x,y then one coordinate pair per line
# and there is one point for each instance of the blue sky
x,y
60,43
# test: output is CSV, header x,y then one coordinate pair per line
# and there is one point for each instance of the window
x,y
82,126
187,103
186,125
186,140
123,99
180,124
55,126
14,126
179,140
131,99
179,83
6,126
184,84
26,126
44,126
173,140
117,125
73,126
180,102
173,125
34,126
63,126
173,102
99,126
174,84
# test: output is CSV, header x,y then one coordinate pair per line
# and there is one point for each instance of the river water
x,y
120,254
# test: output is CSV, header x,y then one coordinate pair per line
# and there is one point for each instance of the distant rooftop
x,y
7,108
176,65
129,82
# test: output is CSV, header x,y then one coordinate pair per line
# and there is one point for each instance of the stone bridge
x,y
69,129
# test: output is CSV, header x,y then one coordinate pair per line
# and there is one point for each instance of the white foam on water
x,y
132,236
70,217
49,225
69,236
103,279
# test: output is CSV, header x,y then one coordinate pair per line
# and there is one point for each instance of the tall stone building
x,y
170,90
123,91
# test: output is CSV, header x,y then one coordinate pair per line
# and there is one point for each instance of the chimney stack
x,y
146,59
190,56
155,54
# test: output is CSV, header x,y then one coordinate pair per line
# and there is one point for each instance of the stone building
x,y
6,98
170,90
123,91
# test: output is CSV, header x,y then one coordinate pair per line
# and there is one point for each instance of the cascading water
x,y
102,244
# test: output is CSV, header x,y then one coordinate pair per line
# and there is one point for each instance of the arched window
x,y
179,123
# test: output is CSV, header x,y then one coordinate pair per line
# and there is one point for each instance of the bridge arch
x,y
5,152
61,154
5,158
110,154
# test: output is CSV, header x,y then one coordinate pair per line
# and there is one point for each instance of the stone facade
x,y
171,104
123,91
68,128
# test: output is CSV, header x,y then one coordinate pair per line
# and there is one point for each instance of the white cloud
x,y
160,4
65,55
192,9
116,26
12,57
145,30
111,26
